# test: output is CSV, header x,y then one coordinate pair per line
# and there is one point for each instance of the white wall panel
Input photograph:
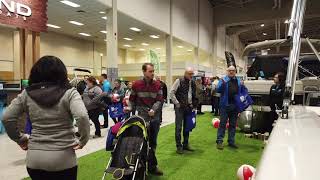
x,y
6,66
185,20
205,26
72,51
152,12
6,39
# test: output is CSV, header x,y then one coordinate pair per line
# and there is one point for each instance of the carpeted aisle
x,y
205,163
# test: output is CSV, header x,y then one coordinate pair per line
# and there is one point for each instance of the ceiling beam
x,y
260,11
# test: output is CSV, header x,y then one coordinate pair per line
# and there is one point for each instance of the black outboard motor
x,y
230,59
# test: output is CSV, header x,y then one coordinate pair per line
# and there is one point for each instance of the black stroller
x,y
129,156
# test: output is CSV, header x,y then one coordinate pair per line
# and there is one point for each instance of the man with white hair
x,y
183,96
229,87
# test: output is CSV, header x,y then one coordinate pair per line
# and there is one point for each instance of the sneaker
x,y
156,172
96,136
220,146
233,146
179,150
188,148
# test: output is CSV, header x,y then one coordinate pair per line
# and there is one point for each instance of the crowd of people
x,y
52,104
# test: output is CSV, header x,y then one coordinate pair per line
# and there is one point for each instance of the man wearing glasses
x,y
183,96
229,87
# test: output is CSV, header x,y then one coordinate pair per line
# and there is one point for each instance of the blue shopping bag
x,y
190,121
243,99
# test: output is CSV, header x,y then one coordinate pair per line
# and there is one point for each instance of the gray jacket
x,y
51,111
89,97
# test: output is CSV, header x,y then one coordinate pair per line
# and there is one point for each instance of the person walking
x,y
52,105
147,97
199,95
229,87
90,93
127,95
106,88
183,96
215,96
164,93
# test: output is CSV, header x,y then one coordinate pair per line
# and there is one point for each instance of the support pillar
x,y
112,39
196,58
16,55
169,45
29,51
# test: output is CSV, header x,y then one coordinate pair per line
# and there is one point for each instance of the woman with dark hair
x,y
276,98
90,94
52,105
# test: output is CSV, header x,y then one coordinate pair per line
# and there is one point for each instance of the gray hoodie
x,y
51,111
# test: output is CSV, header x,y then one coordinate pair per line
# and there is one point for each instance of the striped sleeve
x,y
159,100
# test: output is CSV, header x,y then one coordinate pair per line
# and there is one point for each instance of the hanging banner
x,y
26,14
154,59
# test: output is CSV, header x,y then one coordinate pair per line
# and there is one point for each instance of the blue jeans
x,y
229,112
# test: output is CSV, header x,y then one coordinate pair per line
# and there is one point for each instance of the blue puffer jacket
x,y
223,89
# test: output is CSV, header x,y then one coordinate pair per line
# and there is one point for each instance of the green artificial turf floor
x,y
206,163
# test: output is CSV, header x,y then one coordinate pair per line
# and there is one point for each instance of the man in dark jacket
x,y
164,94
229,87
146,97
183,96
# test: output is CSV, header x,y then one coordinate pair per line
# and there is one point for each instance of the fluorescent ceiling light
x,y
53,26
286,21
264,34
268,49
154,36
262,25
180,47
144,44
126,45
189,50
85,34
135,29
76,23
69,3
102,12
128,39
104,17
142,49
105,32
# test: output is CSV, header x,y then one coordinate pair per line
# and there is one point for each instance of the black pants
x,y
181,117
199,108
160,114
106,118
94,116
273,116
67,174
153,129
215,105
